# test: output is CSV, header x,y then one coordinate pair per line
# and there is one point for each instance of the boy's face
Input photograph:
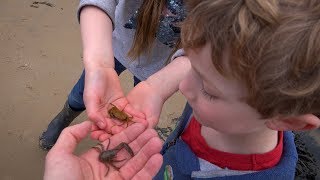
x,y
217,101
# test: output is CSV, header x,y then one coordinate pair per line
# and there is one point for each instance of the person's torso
x,y
123,36
181,163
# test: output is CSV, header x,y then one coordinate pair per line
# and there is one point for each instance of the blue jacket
x,y
183,161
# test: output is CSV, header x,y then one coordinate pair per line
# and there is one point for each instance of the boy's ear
x,y
296,123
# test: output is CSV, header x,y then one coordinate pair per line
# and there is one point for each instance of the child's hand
x,y
149,96
102,92
115,125
141,105
142,98
102,87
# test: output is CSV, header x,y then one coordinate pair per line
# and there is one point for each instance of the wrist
x,y
94,60
156,87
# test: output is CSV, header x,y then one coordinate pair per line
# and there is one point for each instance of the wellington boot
x,y
61,121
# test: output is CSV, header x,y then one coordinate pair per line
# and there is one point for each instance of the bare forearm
x,y
166,81
96,33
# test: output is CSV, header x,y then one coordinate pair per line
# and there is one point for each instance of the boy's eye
x,y
207,95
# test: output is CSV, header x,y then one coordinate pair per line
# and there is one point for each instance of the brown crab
x,y
107,156
116,113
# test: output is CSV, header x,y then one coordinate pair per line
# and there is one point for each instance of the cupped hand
x,y
114,125
144,99
142,103
102,91
102,87
61,163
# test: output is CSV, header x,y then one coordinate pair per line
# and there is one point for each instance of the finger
x,y
136,145
95,116
96,131
94,127
71,136
127,135
142,140
151,168
113,126
116,129
138,162
97,111
143,121
120,126
109,124
140,120
104,137
131,110
96,134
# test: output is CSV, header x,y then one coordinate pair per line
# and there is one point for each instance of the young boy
x,y
254,76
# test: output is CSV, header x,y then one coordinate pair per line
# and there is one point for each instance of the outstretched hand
x,y
142,103
143,99
102,88
61,163
121,108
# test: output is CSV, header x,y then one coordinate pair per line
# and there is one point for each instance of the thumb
x,y
94,115
71,136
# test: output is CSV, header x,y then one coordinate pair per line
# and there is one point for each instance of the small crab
x,y
116,113
107,156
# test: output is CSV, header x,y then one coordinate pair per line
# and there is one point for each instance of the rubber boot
x,y
61,121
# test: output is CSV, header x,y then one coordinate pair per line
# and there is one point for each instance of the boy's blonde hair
x,y
274,45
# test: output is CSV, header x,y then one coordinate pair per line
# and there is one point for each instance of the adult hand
x,y
61,163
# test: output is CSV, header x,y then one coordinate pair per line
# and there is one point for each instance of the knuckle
x,y
91,115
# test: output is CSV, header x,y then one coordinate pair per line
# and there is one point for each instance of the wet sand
x,y
40,60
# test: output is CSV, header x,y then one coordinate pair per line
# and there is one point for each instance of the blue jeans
x,y
75,98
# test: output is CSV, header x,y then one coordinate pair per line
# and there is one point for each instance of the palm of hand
x,y
124,165
114,125
145,145
90,165
141,103
143,99
102,87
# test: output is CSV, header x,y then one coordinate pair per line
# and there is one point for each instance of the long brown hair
x,y
147,25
